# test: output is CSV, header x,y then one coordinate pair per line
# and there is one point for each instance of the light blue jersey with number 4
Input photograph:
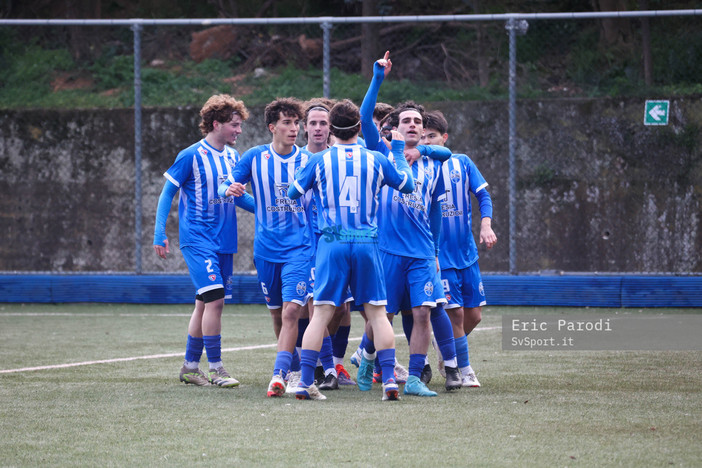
x,y
346,181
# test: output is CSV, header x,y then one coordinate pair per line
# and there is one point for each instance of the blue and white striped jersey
x,y
206,220
461,177
403,219
282,231
346,180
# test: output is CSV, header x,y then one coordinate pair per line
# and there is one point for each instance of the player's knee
x,y
421,314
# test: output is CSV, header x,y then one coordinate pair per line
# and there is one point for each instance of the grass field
x,y
100,388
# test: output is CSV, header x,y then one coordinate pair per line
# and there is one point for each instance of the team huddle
x,y
379,224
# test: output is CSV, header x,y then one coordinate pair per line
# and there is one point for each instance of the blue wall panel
x,y
519,290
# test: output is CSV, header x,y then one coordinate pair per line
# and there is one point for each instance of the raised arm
x,y
381,68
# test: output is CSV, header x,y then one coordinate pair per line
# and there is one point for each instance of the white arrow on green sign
x,y
656,113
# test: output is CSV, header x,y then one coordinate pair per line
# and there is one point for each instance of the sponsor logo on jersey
x,y
349,154
301,288
282,189
212,277
266,155
429,288
202,151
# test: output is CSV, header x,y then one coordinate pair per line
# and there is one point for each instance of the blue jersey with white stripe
x,y
461,177
346,180
282,231
312,213
403,219
206,220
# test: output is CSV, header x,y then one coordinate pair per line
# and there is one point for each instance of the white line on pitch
x,y
161,356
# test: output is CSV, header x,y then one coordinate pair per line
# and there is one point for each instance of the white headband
x,y
347,128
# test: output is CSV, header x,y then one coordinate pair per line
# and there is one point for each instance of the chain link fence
x,y
552,108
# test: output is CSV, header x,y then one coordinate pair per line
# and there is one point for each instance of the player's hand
x,y
162,250
386,63
235,190
412,155
487,235
394,135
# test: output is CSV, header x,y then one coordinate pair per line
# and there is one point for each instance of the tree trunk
x,y
614,30
483,68
646,45
369,41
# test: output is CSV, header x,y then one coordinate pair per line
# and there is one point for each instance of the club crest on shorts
x,y
480,288
212,277
301,288
429,288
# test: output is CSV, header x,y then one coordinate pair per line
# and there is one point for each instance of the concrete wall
x,y
597,191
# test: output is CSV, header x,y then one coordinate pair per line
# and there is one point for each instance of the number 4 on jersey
x,y
348,194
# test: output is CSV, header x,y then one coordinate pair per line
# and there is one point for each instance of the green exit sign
x,y
656,113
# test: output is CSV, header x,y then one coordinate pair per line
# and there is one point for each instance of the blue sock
x,y
295,363
308,361
282,363
367,345
301,327
443,332
462,352
378,368
213,345
407,325
193,348
387,363
340,341
416,364
326,354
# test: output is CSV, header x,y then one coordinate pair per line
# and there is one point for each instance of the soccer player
x,y
207,230
330,372
380,111
346,181
458,255
409,240
282,244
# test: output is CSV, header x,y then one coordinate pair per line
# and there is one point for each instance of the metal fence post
x,y
514,27
326,28
512,130
137,148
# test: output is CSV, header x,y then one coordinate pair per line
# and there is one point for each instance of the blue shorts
x,y
411,282
463,288
310,284
209,270
344,266
283,282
